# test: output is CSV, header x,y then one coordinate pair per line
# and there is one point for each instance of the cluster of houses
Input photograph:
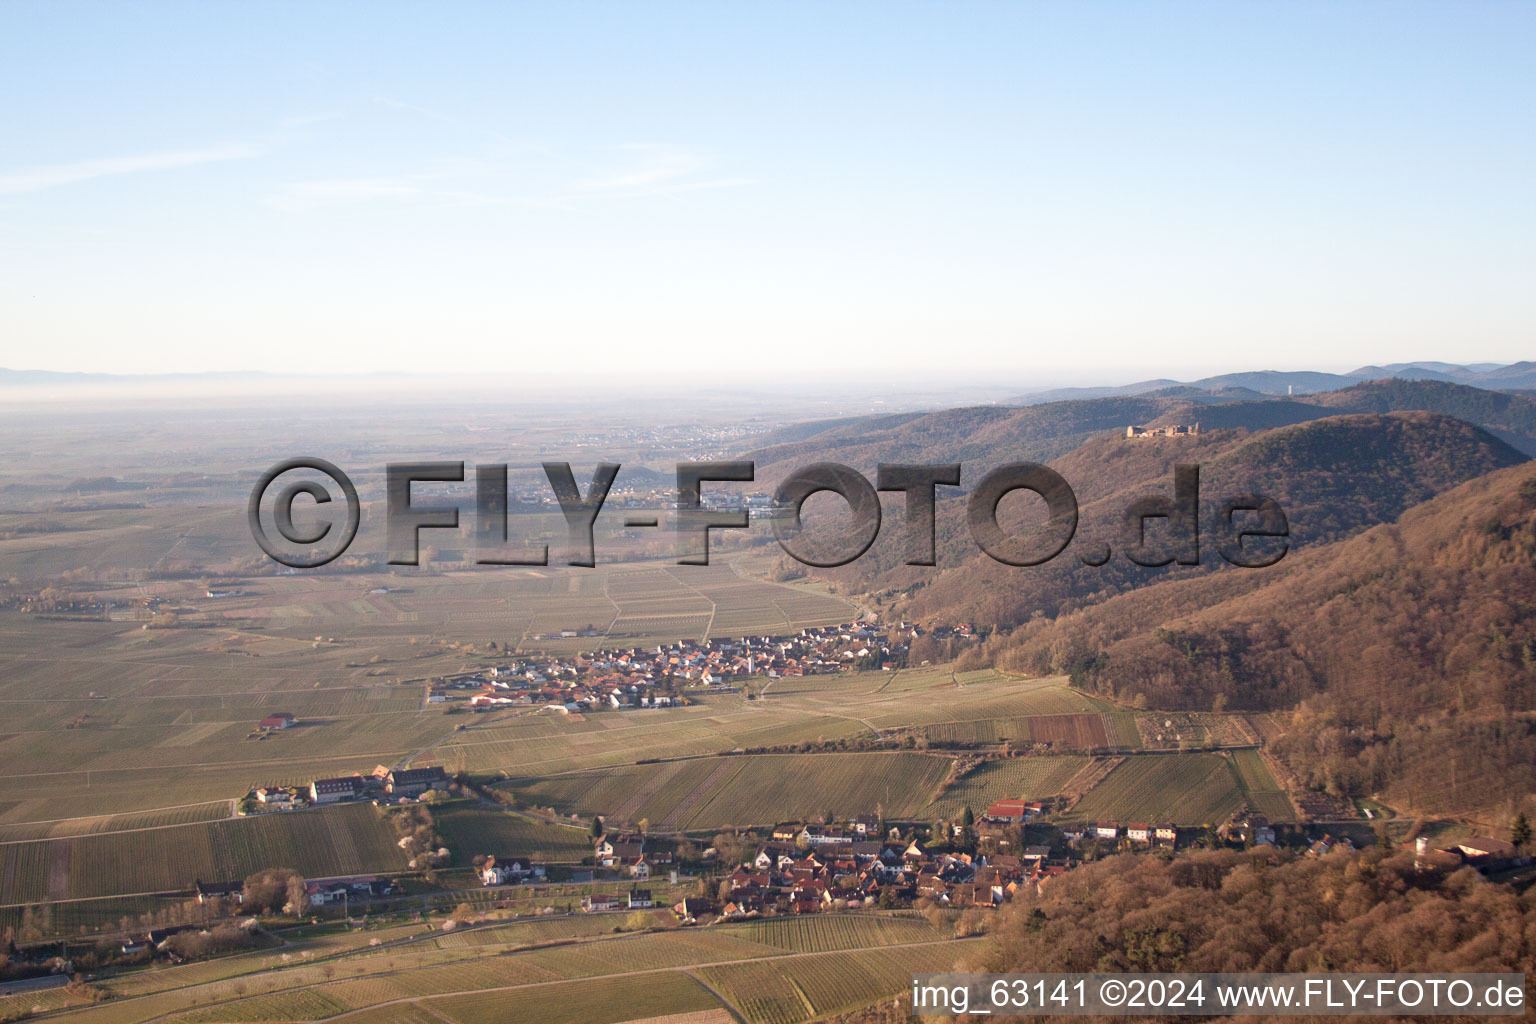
x,y
785,878
640,677
494,870
812,868
1165,836
393,785
627,854
320,893
635,899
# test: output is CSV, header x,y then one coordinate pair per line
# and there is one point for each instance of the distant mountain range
x,y
1303,382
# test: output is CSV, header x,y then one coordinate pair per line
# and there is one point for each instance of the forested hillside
x,y
1235,912
1410,650
1334,477
1397,638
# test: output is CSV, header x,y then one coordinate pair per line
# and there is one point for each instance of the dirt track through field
x,y
58,869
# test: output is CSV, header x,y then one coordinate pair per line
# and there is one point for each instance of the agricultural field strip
x,y
243,765
617,610
102,700
1185,788
848,708
113,665
777,956
56,824
845,934
531,936
785,993
798,710
331,843
319,951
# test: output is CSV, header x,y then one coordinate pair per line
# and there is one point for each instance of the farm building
x,y
414,781
330,791
207,891
277,722
277,797
1010,811
1485,846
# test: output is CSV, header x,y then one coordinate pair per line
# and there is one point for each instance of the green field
x,y
827,963
106,717
710,793
1016,778
1185,789
69,918
470,829
188,814
603,1001
1263,793
823,934
797,989
335,841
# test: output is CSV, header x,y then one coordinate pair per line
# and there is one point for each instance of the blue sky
x,y
1031,192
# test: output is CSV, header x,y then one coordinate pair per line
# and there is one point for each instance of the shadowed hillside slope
x,y
1334,477
1409,650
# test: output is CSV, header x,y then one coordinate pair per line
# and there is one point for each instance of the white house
x,y
510,871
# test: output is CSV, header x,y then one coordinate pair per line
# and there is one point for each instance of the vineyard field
x,y
470,829
797,988
762,789
1015,778
187,815
822,934
1185,789
1264,794
335,841
599,1001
